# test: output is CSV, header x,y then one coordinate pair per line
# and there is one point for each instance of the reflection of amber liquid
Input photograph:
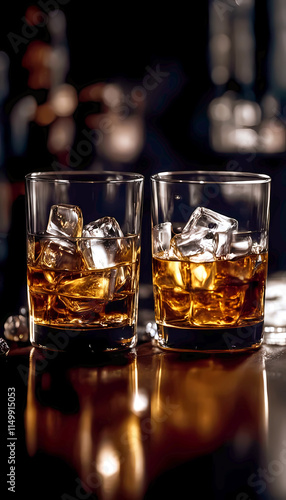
x,y
83,300
214,296
201,405
70,414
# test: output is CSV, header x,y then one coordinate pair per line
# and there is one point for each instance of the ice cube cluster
x,y
100,245
207,236
98,253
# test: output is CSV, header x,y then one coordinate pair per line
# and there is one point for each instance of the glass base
x,y
212,340
83,340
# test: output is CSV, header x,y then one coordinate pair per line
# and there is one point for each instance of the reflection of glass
x,y
83,259
210,253
94,428
134,423
210,408
275,456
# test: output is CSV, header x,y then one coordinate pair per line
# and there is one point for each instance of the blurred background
x,y
101,87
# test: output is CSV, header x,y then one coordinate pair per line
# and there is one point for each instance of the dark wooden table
x,y
146,424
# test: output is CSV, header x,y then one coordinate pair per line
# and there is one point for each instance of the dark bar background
x,y
109,43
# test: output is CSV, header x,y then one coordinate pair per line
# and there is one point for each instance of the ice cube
x,y
162,234
65,220
98,286
206,236
260,246
199,245
60,254
102,246
204,217
106,227
203,275
240,245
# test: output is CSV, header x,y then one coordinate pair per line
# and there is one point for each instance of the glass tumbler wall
x,y
210,255
83,256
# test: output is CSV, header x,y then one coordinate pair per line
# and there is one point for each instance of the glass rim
x,y
84,177
211,177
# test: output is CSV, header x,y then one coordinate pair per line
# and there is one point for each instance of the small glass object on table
x,y
275,310
210,255
83,256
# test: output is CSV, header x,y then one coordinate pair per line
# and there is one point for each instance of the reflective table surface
x,y
144,424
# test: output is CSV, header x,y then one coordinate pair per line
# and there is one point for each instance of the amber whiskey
x,y
223,299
